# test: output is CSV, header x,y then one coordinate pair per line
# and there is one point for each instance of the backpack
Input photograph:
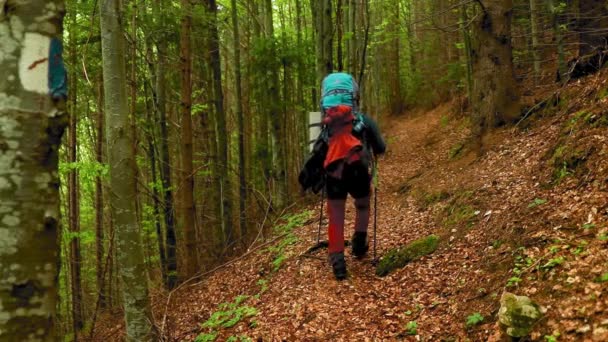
x,y
339,89
340,94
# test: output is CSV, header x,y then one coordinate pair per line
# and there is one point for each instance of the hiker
x,y
353,140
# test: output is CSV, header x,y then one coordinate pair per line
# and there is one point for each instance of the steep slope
x,y
529,217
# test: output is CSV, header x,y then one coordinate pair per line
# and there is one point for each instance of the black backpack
x,y
312,176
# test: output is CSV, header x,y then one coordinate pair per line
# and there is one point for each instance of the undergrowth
x,y
232,313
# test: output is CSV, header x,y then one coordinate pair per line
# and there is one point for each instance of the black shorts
x,y
355,181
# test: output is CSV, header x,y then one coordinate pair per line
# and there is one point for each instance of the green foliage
x,y
206,337
445,121
263,283
537,202
431,198
411,328
580,248
238,339
603,237
553,263
588,226
227,316
520,263
602,279
456,150
513,281
399,257
291,221
460,210
474,319
460,213
553,337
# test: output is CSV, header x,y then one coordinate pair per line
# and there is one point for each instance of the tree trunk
x,y
274,113
222,162
134,279
466,37
165,159
352,41
340,30
241,124
556,12
535,42
73,197
188,214
32,121
99,207
495,96
394,73
156,198
324,35
591,25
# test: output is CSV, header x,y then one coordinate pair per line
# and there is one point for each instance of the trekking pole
x,y
321,215
375,175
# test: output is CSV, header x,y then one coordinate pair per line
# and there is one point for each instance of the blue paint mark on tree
x,y
58,85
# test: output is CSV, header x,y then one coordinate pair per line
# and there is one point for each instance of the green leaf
x,y
602,279
411,328
474,319
537,202
553,263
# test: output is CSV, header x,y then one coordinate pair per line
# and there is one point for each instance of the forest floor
x,y
530,217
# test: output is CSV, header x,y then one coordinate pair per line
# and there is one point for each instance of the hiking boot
x,y
338,264
360,245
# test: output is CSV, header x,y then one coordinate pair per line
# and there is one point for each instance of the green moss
x,y
456,151
399,257
567,161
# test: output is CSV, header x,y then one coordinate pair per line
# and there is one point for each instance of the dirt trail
x,y
304,302
487,213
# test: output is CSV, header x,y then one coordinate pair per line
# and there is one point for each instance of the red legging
x,y
355,180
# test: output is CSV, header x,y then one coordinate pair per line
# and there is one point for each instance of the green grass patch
x,y
399,257
460,213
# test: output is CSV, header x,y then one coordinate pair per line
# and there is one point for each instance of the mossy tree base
x,y
399,257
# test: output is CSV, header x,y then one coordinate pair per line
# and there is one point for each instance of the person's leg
x,y
359,187
336,194
335,210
